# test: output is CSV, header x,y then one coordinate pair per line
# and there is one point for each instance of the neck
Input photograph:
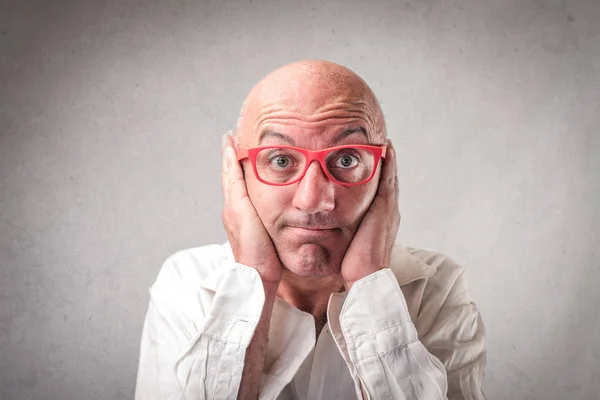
x,y
310,294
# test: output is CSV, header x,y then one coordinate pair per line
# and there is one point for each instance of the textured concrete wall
x,y
110,120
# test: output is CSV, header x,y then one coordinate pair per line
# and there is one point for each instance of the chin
x,y
311,260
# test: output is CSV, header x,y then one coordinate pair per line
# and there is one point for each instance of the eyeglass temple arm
x,y
241,153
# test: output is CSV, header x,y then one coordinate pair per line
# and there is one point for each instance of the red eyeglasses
x,y
347,165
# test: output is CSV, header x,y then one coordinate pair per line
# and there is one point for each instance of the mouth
x,y
313,228
313,231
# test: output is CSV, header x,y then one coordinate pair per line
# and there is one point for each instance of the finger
x,y
395,169
226,173
395,198
234,181
389,175
224,140
224,169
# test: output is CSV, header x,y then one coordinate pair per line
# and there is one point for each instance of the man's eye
x,y
346,161
281,162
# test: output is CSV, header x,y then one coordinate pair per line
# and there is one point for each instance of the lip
x,y
325,228
313,231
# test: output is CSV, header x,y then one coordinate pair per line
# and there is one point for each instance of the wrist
x,y
270,290
349,283
270,274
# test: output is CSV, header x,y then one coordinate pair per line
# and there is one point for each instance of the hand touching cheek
x,y
250,242
372,244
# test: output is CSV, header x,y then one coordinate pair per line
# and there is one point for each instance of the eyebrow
x,y
267,133
351,131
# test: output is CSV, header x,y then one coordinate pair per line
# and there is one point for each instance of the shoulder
x,y
435,289
445,267
438,283
411,265
189,267
430,279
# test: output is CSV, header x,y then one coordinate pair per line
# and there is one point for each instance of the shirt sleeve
x,y
381,346
194,341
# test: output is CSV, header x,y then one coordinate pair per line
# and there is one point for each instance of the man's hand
x,y
372,244
250,242
251,246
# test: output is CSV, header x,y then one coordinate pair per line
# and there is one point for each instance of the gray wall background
x,y
111,114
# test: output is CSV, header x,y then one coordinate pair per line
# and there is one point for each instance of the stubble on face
x,y
319,255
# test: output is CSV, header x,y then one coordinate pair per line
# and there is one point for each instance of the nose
x,y
315,191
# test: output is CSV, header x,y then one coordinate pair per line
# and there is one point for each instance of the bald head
x,y
307,93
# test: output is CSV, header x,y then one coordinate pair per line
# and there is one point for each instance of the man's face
x,y
313,221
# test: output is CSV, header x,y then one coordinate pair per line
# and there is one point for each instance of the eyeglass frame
x,y
378,152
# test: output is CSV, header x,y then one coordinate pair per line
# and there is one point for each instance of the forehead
x,y
310,115
311,102
347,135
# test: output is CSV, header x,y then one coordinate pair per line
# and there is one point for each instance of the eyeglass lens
x,y
348,165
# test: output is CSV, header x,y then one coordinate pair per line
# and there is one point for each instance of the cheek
x,y
269,201
356,202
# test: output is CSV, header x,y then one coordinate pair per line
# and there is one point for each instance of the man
x,y
310,299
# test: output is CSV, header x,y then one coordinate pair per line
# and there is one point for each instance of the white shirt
x,y
410,331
